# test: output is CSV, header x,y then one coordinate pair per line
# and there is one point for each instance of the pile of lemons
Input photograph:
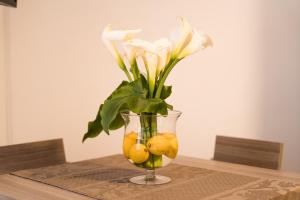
x,y
161,144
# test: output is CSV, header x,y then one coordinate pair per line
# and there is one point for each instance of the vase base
x,y
158,180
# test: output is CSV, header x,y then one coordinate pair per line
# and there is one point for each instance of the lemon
x,y
173,145
168,135
138,153
129,140
158,145
173,148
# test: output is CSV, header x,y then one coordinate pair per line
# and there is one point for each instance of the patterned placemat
x,y
108,179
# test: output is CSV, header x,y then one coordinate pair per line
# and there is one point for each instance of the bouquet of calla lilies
x,y
147,66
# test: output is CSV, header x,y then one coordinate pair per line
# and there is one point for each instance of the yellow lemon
x,y
168,135
173,148
158,145
129,140
173,145
138,153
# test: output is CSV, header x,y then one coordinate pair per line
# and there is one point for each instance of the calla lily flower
x,y
110,37
199,41
130,53
151,62
187,41
115,35
154,55
181,37
137,47
163,49
148,52
142,45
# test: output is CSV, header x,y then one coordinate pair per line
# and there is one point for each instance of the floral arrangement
x,y
146,66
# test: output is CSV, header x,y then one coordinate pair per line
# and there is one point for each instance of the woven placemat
x,y
108,179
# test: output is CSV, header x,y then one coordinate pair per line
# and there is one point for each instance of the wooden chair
x,y
249,152
31,155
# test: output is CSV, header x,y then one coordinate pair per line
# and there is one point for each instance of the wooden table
x,y
20,188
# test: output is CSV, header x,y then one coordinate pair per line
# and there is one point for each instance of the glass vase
x,y
150,142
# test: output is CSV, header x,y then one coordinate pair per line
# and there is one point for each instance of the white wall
x,y
281,77
60,72
3,116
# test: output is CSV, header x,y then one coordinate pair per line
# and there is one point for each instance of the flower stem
x,y
124,68
164,76
135,70
128,75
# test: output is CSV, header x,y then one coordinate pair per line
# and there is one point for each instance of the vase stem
x,y
150,175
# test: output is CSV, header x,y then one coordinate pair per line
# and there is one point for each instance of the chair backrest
x,y
31,155
249,152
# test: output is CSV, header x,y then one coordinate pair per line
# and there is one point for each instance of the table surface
x,y
20,188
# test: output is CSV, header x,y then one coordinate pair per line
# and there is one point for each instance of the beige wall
x,y
281,77
60,72
3,113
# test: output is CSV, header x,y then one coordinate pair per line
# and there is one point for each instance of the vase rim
x,y
176,113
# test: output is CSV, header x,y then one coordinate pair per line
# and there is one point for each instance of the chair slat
x,y
31,155
249,152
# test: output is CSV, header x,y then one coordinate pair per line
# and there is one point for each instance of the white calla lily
x,y
150,55
163,48
186,41
110,45
142,45
181,37
148,52
151,62
130,53
115,35
110,37
199,41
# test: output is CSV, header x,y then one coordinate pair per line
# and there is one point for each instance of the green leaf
x,y
133,97
94,127
116,90
117,123
166,92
